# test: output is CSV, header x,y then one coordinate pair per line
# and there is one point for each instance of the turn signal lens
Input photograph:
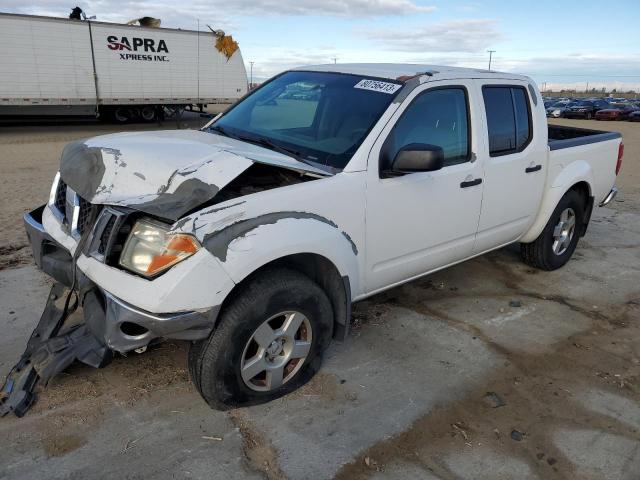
x,y
150,249
179,247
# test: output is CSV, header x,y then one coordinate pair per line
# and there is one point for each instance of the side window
x,y
508,119
436,117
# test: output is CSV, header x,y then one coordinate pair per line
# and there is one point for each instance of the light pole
x,y
335,59
491,52
251,75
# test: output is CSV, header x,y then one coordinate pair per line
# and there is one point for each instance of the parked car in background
x,y
634,116
585,109
609,114
558,109
616,112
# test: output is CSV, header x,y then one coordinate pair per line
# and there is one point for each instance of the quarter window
x,y
436,117
508,119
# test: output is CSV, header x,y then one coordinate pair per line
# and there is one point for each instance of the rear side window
x,y
508,119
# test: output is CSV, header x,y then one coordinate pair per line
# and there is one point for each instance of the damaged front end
x,y
108,324
105,187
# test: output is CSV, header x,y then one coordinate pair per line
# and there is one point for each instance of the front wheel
x,y
269,341
555,245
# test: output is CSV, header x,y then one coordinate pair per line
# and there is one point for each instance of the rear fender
x,y
575,172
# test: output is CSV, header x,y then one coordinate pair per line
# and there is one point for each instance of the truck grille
x,y
74,212
108,235
61,196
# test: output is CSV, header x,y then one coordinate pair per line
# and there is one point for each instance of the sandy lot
x,y
487,370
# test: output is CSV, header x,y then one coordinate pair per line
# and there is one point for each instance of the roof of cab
x,y
404,71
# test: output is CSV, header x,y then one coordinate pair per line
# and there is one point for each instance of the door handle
x,y
471,183
533,169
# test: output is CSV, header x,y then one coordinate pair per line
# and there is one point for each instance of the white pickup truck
x,y
252,237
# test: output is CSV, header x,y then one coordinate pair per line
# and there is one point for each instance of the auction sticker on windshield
x,y
377,86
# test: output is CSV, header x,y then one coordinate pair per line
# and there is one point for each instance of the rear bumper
x,y
610,196
121,326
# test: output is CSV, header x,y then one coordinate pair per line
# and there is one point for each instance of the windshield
x,y
317,118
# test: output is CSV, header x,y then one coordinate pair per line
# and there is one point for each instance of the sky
x,y
560,44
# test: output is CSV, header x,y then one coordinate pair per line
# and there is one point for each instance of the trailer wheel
x,y
269,341
148,113
121,114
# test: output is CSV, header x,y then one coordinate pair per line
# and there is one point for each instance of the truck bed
x,y
566,137
593,150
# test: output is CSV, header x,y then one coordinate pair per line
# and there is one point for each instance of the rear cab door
x,y
515,159
422,221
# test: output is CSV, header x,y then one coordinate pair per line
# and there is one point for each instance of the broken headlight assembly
x,y
150,249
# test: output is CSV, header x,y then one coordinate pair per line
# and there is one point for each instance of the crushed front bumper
x,y
110,324
121,326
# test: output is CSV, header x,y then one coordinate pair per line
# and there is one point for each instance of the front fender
x,y
565,178
247,245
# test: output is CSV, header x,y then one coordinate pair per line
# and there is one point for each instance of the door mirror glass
x,y
417,157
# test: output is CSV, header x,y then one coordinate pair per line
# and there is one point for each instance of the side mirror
x,y
417,157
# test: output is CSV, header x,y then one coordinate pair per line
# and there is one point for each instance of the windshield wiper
x,y
221,131
265,142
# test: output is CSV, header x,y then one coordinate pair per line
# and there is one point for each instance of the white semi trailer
x,y
58,66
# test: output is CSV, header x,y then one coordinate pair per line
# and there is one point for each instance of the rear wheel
x,y
589,115
555,245
269,341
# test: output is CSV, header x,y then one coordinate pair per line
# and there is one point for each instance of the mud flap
x,y
50,349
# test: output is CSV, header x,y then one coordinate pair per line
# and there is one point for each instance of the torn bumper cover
x,y
110,324
52,347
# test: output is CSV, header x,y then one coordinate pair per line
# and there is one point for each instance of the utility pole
x,y
491,52
251,76
335,59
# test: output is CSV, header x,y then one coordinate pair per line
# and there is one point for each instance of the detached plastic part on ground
x,y
53,346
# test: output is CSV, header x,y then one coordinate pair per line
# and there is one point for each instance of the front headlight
x,y
150,249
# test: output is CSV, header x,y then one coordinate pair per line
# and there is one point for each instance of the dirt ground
x,y
487,370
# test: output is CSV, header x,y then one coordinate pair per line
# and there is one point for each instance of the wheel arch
x,y
321,270
576,176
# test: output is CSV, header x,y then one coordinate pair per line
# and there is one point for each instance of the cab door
x,y
514,162
418,222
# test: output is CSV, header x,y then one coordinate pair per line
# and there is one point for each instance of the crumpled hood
x,y
163,173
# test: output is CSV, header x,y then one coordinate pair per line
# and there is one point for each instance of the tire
x,y
148,113
121,115
276,298
541,253
589,115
